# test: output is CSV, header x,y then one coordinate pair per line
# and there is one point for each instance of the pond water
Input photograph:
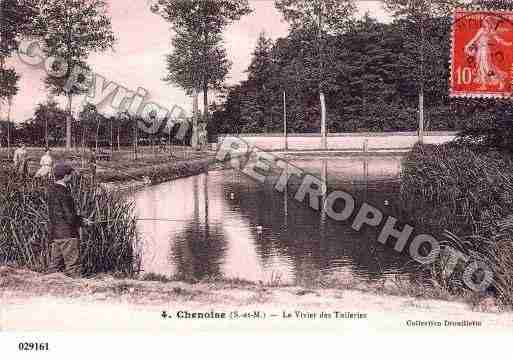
x,y
224,224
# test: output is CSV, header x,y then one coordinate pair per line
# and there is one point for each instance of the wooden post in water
x,y
286,199
324,180
195,119
205,195
366,174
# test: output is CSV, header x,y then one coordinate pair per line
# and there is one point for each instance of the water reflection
x,y
209,225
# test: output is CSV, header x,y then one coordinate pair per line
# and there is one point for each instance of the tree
x,y
16,21
123,121
370,82
199,60
89,120
493,4
48,123
416,14
71,30
259,103
321,17
8,89
186,67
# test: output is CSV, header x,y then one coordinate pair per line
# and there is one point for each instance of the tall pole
x,y
421,115
169,139
97,132
119,129
9,130
421,90
111,136
136,141
46,131
285,200
153,117
324,180
68,123
194,140
324,144
285,121
322,98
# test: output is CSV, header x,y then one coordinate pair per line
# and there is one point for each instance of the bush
x,y
456,188
466,197
110,245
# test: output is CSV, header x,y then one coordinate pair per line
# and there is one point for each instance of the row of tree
x,y
71,29
91,128
331,70
365,75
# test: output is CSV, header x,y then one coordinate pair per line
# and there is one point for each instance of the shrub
x,y
455,188
465,197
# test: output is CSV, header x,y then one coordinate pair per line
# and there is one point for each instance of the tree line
x,y
91,129
371,74
355,75
72,29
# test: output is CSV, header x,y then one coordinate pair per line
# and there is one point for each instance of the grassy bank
x,y
110,245
464,196
157,166
152,287
157,173
31,301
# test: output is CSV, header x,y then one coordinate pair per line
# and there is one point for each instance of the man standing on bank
x,y
20,161
64,224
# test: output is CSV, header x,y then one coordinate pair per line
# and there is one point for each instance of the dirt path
x,y
34,302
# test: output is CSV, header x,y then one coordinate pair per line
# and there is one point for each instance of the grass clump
x,y
155,277
464,196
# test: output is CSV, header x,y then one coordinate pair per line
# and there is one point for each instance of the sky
x,y
144,39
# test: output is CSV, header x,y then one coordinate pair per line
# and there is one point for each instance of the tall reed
x,y
110,245
464,196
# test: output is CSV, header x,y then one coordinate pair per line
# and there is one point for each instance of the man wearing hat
x,y
64,224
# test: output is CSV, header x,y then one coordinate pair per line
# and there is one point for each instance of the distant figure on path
x,y
163,145
46,163
202,136
482,48
20,160
64,224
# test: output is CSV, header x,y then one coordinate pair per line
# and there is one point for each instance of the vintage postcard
x,y
327,168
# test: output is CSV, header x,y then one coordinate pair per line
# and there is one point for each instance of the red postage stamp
x,y
482,54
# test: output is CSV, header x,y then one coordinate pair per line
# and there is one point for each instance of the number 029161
x,y
33,346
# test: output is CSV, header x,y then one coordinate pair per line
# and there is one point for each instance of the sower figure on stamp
x,y
64,224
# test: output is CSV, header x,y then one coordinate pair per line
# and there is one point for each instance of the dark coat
x,y
64,220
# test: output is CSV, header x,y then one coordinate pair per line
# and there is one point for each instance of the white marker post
x,y
285,121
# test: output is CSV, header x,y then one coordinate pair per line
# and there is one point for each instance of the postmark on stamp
x,y
482,54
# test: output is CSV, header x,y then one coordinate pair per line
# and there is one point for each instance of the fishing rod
x,y
258,227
